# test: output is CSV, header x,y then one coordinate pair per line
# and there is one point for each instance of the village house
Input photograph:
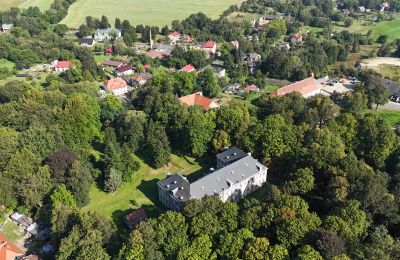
x,y
174,36
6,27
26,223
112,63
197,99
252,59
123,70
219,72
106,34
296,38
307,88
87,42
238,174
284,46
251,88
209,47
60,66
117,86
8,250
141,79
133,218
232,88
188,68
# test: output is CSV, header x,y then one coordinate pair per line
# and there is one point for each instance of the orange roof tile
x,y
8,250
197,99
304,87
116,83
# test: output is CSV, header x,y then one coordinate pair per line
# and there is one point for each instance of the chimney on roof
x,y
217,179
181,198
202,188
245,165
234,154
311,74
175,182
212,169
232,172
249,154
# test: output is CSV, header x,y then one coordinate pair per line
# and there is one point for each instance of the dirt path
x,y
374,63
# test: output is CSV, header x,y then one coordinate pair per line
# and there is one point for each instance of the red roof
x,y
188,68
8,250
251,88
175,34
146,66
197,99
63,64
208,44
304,87
109,50
116,83
187,38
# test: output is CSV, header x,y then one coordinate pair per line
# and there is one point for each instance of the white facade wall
x,y
244,187
312,93
120,91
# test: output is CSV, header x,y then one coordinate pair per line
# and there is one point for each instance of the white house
x,y
60,66
117,86
7,27
106,34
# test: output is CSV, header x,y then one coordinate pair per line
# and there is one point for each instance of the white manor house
x,y
237,175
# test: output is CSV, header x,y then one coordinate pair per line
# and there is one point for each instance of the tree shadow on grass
x,y
150,190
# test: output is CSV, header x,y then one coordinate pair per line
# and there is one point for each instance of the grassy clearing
x,y
150,12
142,192
6,63
42,4
390,116
7,4
11,231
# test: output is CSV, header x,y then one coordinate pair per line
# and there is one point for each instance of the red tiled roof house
x,y
197,99
61,66
188,68
135,217
118,86
307,88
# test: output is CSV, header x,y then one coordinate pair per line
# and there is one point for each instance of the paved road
x,y
390,106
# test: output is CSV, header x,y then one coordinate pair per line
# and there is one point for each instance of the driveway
x,y
390,106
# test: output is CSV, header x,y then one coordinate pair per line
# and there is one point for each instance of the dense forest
x,y
334,165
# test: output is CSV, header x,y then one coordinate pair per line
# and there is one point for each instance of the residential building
x,y
251,88
26,223
60,66
106,34
112,63
232,88
6,27
188,68
238,175
174,36
252,59
209,47
123,70
141,79
8,250
197,99
117,86
219,72
307,87
284,46
87,41
133,218
296,38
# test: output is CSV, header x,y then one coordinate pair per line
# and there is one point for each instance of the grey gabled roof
x,y
222,179
232,154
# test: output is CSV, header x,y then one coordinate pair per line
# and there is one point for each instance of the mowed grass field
x,y
148,12
42,4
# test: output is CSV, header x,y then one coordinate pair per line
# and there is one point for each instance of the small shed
x,y
135,217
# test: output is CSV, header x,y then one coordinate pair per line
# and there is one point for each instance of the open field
x,y
12,231
150,12
142,192
374,63
42,4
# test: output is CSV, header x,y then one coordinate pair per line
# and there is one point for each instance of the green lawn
x,y
390,116
42,4
11,231
7,4
150,12
142,192
6,63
